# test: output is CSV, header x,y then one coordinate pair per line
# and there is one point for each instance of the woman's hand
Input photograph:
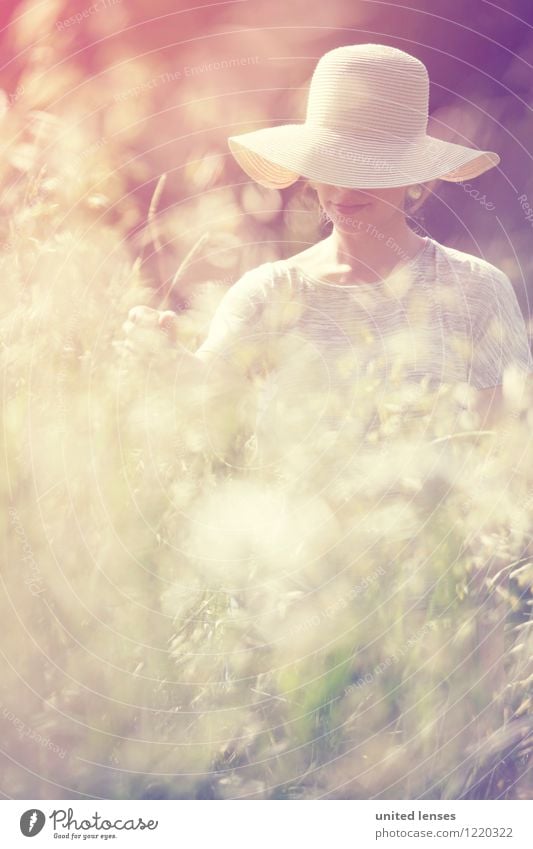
x,y
149,331
152,335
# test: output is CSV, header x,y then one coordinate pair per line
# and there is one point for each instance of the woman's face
x,y
361,210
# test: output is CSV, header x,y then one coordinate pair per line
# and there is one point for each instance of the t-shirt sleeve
x,y
234,331
500,338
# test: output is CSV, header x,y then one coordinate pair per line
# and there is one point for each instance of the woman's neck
x,y
371,253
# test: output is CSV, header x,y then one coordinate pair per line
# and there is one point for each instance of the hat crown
x,y
370,90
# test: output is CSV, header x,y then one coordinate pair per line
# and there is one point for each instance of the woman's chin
x,y
355,220
354,226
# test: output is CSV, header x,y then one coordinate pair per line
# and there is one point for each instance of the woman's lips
x,y
346,208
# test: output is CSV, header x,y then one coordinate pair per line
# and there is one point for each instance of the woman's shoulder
x,y
255,289
250,288
466,266
263,276
263,282
303,261
487,294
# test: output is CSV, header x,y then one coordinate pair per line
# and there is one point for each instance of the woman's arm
x,y
499,338
235,319
150,331
495,410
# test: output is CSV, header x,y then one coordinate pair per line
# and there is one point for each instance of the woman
x,y
365,151
374,304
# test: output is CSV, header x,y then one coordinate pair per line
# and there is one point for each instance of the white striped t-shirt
x,y
444,317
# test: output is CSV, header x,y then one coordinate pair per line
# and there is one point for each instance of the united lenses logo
x,y
32,822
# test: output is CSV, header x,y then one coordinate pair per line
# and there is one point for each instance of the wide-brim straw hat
x,y
366,127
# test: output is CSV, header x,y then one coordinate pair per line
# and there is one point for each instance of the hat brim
x,y
276,157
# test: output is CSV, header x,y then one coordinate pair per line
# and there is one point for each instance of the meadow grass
x,y
183,618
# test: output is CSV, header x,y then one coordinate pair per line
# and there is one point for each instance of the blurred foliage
x,y
180,620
